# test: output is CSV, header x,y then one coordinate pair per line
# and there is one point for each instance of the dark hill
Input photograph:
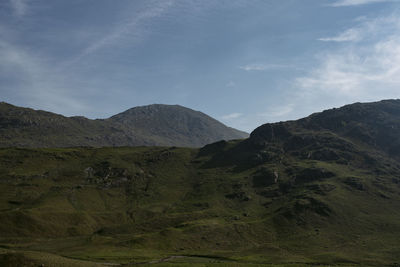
x,y
162,125
374,125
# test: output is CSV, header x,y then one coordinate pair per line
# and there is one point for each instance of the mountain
x,y
162,125
172,123
323,190
376,125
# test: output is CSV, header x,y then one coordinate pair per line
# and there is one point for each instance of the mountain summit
x,y
153,125
176,124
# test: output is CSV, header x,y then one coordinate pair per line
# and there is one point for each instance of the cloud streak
x,y
39,84
262,67
277,111
343,3
130,27
350,35
231,116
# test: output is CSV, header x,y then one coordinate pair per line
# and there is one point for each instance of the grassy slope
x,y
144,204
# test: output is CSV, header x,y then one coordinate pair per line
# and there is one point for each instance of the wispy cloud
x,y
20,7
341,3
39,84
262,67
231,84
277,111
358,71
231,116
131,28
366,29
346,36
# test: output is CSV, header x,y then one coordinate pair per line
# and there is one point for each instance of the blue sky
x,y
244,62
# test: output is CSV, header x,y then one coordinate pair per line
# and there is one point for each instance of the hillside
x,y
162,125
323,190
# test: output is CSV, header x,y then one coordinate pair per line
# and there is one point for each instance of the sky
x,y
243,62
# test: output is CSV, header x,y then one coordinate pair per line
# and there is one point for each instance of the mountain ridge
x,y
323,190
376,124
157,124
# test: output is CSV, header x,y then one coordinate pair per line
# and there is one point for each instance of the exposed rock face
x,y
264,177
270,133
89,173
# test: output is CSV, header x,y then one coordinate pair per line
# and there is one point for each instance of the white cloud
x,y
248,122
355,71
231,116
262,67
341,3
20,7
363,71
277,111
346,36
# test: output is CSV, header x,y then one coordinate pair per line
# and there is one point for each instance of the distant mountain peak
x,y
155,125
